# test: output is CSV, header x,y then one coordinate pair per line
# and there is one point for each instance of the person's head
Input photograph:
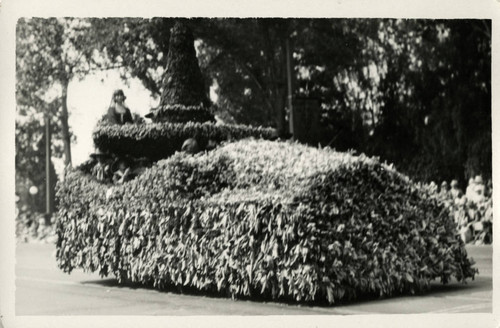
x,y
100,156
119,96
121,164
143,161
102,159
190,146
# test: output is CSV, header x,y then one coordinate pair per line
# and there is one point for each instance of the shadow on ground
x,y
436,289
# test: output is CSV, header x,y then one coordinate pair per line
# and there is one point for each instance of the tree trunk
x,y
278,83
279,109
283,93
64,123
277,77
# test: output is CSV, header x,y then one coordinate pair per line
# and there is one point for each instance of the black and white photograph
x,y
309,169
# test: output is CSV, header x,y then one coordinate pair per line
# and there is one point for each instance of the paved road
x,y
42,289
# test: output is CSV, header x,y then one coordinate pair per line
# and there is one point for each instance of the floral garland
x,y
181,114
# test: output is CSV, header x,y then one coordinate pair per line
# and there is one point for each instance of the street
x,y
42,289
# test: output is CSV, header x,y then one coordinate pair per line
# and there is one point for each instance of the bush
x,y
161,140
275,219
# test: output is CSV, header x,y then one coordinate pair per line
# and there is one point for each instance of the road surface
x,y
42,289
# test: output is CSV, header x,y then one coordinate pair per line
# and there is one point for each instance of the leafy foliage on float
x,y
182,114
160,140
260,218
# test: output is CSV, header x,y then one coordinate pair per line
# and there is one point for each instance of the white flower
x,y
109,193
100,211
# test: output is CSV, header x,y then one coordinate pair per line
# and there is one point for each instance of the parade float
x,y
245,215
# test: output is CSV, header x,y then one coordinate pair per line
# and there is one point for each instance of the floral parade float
x,y
247,215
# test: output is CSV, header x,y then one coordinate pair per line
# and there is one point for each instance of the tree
x,y
254,49
138,46
434,117
415,92
239,55
50,53
30,160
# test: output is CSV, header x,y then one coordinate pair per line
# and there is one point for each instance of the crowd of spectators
x,y
472,210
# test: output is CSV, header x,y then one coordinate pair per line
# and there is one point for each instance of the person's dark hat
x,y
118,92
100,153
152,114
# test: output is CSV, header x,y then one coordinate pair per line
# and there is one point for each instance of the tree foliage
x,y
49,54
139,46
30,160
434,117
415,92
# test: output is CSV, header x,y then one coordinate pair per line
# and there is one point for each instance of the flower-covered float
x,y
240,213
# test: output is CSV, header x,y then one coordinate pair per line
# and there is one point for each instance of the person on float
x,y
102,170
121,170
118,112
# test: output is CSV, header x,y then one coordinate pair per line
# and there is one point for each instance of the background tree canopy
x,y
417,93
414,92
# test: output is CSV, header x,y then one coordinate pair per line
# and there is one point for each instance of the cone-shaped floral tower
x,y
183,112
183,82
184,96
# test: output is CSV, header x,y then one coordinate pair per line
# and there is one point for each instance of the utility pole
x,y
289,74
48,182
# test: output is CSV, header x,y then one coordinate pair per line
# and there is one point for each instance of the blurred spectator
x,y
433,187
455,192
477,195
469,192
489,188
472,211
444,189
